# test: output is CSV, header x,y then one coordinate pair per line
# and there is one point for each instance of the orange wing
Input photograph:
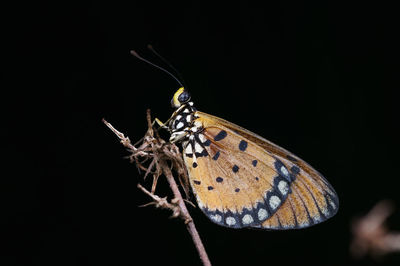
x,y
242,180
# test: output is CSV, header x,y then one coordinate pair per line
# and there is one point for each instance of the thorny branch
x,y
163,157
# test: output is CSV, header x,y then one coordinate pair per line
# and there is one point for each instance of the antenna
x,y
150,47
133,52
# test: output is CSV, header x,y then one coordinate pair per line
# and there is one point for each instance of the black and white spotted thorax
x,y
185,128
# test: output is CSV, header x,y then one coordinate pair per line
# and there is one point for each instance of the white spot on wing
x,y
230,220
216,217
247,219
178,117
274,202
180,125
284,171
283,187
188,118
262,214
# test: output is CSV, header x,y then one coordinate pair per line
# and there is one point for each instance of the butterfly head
x,y
181,97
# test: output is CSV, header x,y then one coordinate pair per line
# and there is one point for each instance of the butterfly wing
x,y
237,183
243,180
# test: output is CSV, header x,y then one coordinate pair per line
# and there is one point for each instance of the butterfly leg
x,y
177,136
165,124
161,124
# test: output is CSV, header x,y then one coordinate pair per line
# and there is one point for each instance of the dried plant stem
x,y
189,222
372,236
160,153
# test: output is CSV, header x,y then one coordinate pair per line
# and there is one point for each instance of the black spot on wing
x,y
221,135
235,168
219,179
201,154
215,157
196,182
242,145
254,163
295,170
207,143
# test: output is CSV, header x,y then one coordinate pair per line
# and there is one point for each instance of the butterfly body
x,y
243,180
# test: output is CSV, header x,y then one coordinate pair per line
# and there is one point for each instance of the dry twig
x,y
371,236
161,155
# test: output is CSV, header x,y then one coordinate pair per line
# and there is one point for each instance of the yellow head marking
x,y
175,100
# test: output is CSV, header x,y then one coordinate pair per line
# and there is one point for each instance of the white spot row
x,y
246,219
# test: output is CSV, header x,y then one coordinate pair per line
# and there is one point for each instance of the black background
x,y
320,80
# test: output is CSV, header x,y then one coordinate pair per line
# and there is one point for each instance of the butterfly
x,y
242,180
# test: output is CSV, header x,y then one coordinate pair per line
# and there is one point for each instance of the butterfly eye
x,y
181,96
184,97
